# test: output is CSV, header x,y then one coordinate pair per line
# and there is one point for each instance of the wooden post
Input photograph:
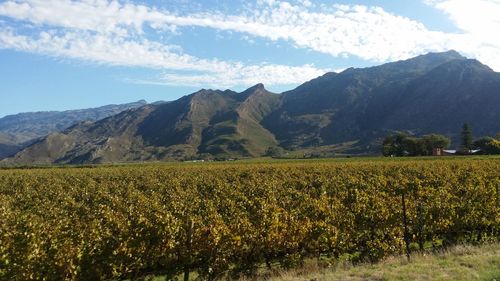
x,y
420,223
406,235
421,240
189,243
498,187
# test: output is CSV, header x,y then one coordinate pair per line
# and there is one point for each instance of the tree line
x,y
403,144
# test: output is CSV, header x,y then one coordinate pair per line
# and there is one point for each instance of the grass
x,y
462,262
259,160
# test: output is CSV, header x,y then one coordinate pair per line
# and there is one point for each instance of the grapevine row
x,y
229,219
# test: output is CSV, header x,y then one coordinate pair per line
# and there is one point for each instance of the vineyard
x,y
227,220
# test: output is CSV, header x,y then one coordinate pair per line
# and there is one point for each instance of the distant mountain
x,y
351,111
223,123
38,124
19,130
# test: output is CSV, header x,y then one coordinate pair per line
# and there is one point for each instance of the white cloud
x,y
268,74
121,51
478,17
94,15
367,32
479,21
106,49
113,32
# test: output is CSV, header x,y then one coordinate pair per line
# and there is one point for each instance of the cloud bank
x,y
117,33
479,21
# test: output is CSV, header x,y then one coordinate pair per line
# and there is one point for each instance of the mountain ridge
x,y
22,129
432,93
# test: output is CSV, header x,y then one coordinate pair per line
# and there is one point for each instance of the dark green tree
x,y
275,151
394,144
466,137
435,141
487,145
401,144
414,146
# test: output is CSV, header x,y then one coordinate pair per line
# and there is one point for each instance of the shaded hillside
x,y
8,145
432,93
443,99
222,123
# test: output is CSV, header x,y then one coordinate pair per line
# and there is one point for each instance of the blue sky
x,y
68,54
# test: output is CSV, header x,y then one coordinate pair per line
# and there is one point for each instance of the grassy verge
x,y
458,263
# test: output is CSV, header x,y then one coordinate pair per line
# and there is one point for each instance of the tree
x,y
435,141
401,144
466,136
274,151
394,144
487,145
414,146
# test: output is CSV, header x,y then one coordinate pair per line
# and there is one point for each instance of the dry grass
x,y
458,263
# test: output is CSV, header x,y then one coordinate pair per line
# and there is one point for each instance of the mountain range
x,y
20,130
348,112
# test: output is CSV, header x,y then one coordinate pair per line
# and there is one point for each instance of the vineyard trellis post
x,y
405,225
496,194
189,244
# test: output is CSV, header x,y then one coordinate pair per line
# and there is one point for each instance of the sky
x,y
68,54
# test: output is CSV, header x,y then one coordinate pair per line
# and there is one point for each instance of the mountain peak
x,y
206,92
438,57
418,64
255,87
451,54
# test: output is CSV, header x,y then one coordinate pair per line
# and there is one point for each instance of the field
x,y
228,220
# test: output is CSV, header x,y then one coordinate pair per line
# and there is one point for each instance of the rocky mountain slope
x,y
432,93
206,122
